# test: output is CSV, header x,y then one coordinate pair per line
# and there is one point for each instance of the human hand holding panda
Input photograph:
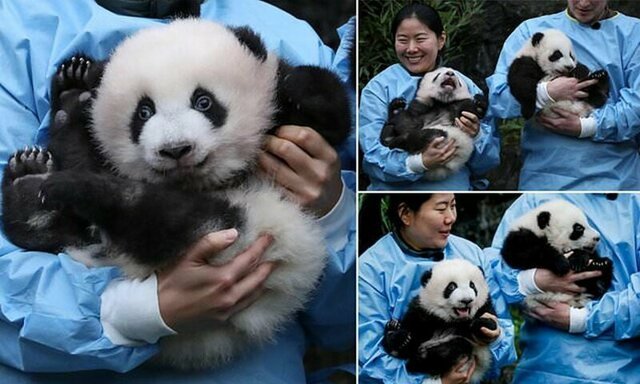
x,y
574,91
440,123
446,323
556,238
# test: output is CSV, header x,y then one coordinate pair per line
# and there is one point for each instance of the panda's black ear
x,y
535,39
425,278
251,40
543,219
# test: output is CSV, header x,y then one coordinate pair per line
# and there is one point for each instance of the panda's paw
x,y
29,162
392,325
75,73
481,103
58,190
396,106
598,75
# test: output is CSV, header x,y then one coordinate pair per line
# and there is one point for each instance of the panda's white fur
x,y
444,85
462,273
167,64
183,55
555,40
563,216
431,299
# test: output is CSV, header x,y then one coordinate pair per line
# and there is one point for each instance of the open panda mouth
x,y
462,312
449,82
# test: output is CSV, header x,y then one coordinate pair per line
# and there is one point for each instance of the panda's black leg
x,y
437,357
480,102
396,106
396,340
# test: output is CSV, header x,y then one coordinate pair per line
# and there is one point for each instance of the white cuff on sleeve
x,y
130,314
527,283
335,224
578,319
542,95
587,127
414,164
432,380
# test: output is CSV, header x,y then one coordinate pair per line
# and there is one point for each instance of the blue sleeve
x,y
502,104
486,154
503,349
506,276
330,316
617,312
387,164
376,366
620,120
50,315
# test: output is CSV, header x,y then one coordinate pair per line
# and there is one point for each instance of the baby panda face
x,y
563,224
553,51
187,101
453,290
444,85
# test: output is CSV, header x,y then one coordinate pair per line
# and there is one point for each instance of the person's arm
x,y
620,120
486,152
503,350
375,364
502,103
386,164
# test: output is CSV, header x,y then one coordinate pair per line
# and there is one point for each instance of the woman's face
x,y
417,46
587,11
430,226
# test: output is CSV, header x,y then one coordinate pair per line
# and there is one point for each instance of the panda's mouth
x,y
449,82
462,312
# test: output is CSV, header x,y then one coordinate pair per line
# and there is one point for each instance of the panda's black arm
x,y
522,249
479,322
313,97
523,77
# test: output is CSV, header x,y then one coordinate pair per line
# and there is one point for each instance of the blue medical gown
x,y
609,160
386,167
50,306
388,278
609,350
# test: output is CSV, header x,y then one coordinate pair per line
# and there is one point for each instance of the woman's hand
x,y
468,123
460,373
489,335
553,313
305,165
563,122
194,293
438,152
568,88
549,282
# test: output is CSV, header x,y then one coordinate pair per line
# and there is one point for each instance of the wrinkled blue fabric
x,y
607,162
50,306
609,350
388,279
386,167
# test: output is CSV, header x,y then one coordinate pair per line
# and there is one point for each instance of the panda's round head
x,y
552,50
563,224
189,100
442,84
453,290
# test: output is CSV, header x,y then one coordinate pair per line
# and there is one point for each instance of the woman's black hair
x,y
424,13
371,225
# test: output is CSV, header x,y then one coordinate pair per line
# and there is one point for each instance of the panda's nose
x,y
175,152
466,301
449,73
568,68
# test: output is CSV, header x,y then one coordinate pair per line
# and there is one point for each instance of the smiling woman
x,y
390,273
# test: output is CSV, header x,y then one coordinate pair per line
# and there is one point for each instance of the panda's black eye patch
x,y
205,102
557,55
473,286
435,78
572,57
449,290
578,231
145,109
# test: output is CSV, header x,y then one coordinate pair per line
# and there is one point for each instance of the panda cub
x,y
443,322
548,55
156,147
556,236
441,97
